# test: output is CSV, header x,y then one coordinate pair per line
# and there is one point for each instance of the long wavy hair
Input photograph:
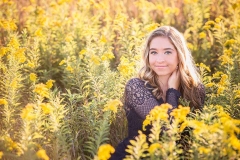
x,y
189,76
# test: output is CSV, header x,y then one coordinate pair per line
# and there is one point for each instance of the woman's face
x,y
163,57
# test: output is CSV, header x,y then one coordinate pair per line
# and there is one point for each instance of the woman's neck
x,y
163,82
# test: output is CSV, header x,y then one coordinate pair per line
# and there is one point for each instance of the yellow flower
x,y
210,84
62,62
14,83
232,26
206,27
112,105
223,80
229,42
125,67
146,122
70,69
151,26
199,127
69,38
220,90
234,141
190,1
180,113
157,113
153,147
3,51
82,52
226,59
210,23
14,43
205,67
8,25
104,151
217,20
31,64
217,74
183,126
38,32
27,112
33,77
138,146
160,112
1,154
228,52
214,128
168,10
41,21
203,150
20,55
60,2
103,39
95,59
41,153
10,144
217,26
46,108
190,46
3,101
49,83
107,55
202,35
40,11
230,125
237,94
42,90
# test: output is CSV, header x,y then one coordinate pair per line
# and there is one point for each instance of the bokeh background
x,y
64,65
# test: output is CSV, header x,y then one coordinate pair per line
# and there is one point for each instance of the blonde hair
x,y
189,76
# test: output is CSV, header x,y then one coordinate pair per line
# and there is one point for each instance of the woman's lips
x,y
160,66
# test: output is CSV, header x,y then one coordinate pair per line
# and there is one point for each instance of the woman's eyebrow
x,y
168,49
152,49
163,49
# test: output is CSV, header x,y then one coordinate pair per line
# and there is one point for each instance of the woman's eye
x,y
153,52
167,52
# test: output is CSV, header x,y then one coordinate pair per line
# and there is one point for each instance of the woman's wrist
x,y
174,87
178,94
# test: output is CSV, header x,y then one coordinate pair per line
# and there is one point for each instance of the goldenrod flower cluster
x,y
64,65
112,106
104,152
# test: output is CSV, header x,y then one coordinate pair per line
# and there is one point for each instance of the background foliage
x,y
64,64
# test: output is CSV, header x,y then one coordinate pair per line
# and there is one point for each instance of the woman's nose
x,y
160,58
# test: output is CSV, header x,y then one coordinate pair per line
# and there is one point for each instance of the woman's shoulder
x,y
139,83
135,81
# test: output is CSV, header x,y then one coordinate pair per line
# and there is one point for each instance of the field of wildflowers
x,y
64,65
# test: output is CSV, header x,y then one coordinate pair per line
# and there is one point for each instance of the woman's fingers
x,y
174,80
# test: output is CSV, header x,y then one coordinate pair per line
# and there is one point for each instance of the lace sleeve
x,y
139,98
172,97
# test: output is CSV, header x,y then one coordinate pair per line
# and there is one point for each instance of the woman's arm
x,y
139,98
172,97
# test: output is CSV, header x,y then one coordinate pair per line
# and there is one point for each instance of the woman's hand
x,y
174,80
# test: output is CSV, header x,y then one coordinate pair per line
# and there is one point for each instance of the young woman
x,y
168,72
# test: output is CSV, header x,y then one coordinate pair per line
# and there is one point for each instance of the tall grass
x,y
64,65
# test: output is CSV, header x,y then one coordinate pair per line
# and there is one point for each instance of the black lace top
x,y
138,102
